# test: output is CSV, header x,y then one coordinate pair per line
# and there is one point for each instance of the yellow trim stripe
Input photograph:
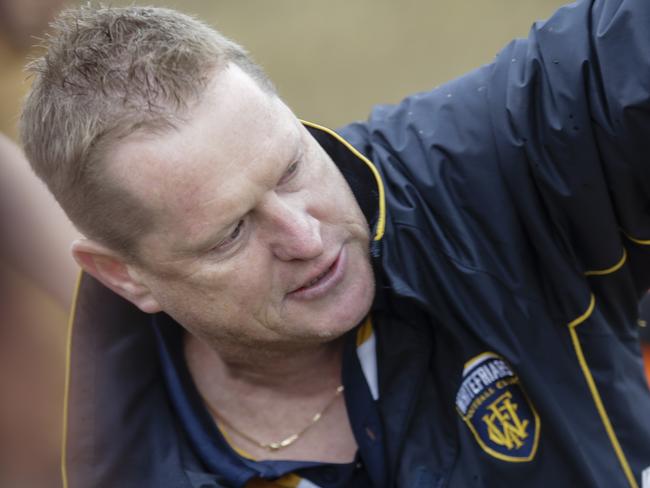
x,y
596,395
381,223
287,481
364,332
232,445
66,387
613,269
643,242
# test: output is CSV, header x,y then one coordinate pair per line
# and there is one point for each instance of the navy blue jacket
x,y
514,209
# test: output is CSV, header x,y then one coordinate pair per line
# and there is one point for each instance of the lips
x,y
318,275
317,279
322,279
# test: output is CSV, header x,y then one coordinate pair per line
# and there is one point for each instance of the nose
x,y
291,232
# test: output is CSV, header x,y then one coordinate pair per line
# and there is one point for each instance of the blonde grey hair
x,y
106,73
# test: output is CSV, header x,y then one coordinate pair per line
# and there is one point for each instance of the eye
x,y
290,172
232,237
292,169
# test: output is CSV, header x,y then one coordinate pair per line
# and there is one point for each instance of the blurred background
x,y
331,61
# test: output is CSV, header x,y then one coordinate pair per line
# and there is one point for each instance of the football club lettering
x,y
495,408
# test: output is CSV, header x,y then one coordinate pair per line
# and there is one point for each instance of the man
x,y
461,311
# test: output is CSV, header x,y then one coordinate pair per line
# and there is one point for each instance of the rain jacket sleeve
x,y
548,148
578,106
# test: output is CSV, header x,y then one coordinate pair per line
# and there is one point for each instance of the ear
x,y
113,272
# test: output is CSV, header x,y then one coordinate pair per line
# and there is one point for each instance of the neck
x,y
275,399
303,369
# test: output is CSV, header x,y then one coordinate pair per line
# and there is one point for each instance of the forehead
x,y
234,138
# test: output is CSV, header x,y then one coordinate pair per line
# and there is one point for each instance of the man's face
x,y
258,239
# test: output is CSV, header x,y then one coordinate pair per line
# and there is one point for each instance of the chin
x,y
349,314
328,325
346,308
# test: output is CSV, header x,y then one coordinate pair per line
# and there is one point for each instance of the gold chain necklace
x,y
286,442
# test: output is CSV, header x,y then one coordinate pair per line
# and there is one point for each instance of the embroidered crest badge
x,y
494,406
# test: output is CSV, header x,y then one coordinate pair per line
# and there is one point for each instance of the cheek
x,y
332,199
340,193
244,291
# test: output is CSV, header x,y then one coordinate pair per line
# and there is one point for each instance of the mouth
x,y
323,281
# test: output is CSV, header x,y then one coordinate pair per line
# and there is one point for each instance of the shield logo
x,y
497,411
